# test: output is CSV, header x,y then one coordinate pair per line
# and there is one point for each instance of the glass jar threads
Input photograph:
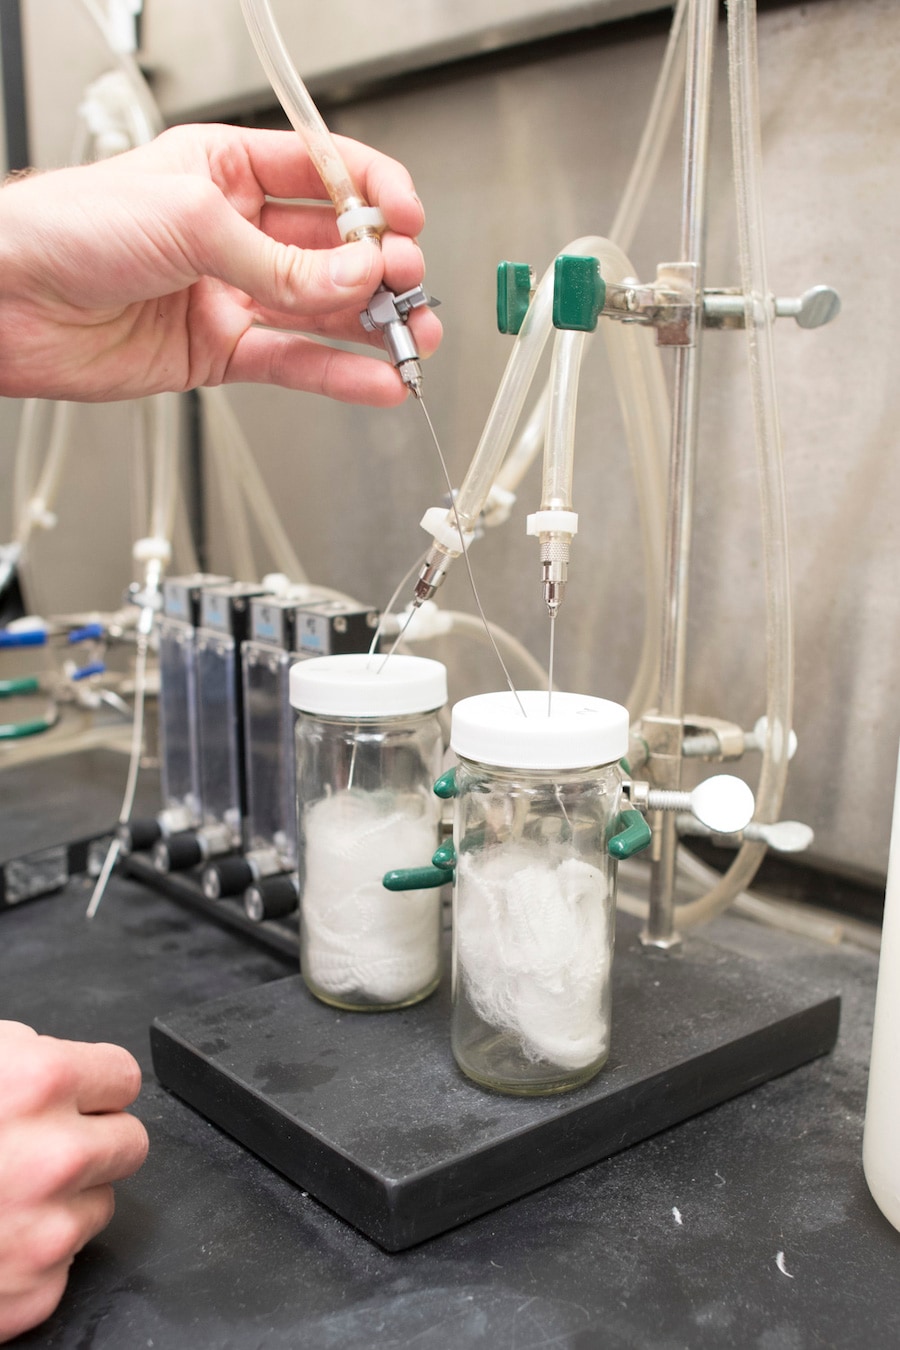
x,y
538,800
369,747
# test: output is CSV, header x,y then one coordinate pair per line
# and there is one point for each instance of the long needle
x,y
550,668
437,446
390,605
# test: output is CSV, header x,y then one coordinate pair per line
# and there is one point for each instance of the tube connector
x,y
431,574
388,314
555,530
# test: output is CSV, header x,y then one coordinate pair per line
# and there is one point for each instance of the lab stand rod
x,y
702,16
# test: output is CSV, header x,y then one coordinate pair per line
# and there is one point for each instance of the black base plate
x,y
369,1114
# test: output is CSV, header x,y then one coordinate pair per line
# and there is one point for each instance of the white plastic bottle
x,y
881,1138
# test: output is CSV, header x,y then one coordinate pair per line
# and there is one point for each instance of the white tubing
x,y
147,119
162,410
665,103
222,422
663,107
759,320
516,651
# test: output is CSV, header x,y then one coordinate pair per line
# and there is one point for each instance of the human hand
x,y
64,1136
169,267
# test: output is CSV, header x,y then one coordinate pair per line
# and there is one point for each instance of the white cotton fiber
x,y
363,941
532,948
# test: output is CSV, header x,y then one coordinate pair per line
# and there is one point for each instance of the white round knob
x,y
787,836
723,803
760,729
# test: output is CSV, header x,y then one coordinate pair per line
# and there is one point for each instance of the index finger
x,y
106,1077
282,167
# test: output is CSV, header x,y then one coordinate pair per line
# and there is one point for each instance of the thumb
x,y
291,279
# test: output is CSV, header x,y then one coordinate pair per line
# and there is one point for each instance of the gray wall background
x,y
512,160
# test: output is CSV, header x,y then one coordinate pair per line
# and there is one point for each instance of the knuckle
x,y
66,1161
47,1077
54,1239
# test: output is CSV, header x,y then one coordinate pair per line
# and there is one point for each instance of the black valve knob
x,y
226,876
136,836
177,853
271,897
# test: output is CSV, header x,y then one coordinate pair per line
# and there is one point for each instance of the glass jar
x,y
538,800
369,746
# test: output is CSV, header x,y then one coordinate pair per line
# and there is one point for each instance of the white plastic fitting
x,y
757,738
498,507
419,624
39,513
552,522
440,525
360,218
152,549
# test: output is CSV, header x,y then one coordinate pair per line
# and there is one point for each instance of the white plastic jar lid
x,y
359,685
580,732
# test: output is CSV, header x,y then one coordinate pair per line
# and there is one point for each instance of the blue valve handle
x,y
26,637
92,632
85,673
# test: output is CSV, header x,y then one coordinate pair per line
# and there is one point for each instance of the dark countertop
x,y
211,1248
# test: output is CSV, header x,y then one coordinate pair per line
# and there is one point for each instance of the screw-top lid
x,y
359,685
580,732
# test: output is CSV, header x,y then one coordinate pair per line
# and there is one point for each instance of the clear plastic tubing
x,y
163,413
663,106
559,448
231,441
302,113
643,401
759,325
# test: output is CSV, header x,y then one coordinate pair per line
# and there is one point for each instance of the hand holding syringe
x,y
388,313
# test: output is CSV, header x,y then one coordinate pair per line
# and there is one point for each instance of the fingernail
x,y
352,265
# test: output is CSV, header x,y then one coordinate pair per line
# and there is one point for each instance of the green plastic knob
x,y
445,856
579,293
26,684
445,787
414,878
514,286
633,835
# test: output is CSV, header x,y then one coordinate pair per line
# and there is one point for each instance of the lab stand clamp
x,y
670,304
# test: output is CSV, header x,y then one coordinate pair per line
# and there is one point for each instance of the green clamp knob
x,y
445,856
26,684
445,787
579,293
515,282
414,878
632,836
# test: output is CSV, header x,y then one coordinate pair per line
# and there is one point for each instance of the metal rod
x,y
702,16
